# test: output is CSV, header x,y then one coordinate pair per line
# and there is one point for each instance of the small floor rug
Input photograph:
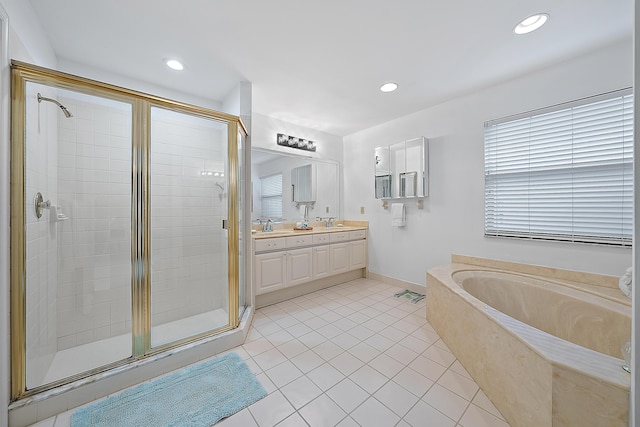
x,y
195,396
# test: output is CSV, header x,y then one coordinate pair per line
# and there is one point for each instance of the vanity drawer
x,y
357,235
297,241
321,239
339,237
262,245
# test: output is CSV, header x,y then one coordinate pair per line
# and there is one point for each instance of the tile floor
x,y
353,355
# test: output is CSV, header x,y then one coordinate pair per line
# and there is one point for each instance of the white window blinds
x,y
564,173
271,196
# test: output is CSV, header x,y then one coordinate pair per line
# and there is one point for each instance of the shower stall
x,y
125,214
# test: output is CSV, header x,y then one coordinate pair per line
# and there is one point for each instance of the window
x,y
271,196
563,173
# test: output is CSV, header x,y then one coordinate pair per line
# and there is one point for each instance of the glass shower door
x,y
188,205
77,218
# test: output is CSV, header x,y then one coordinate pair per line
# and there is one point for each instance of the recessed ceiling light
x,y
388,87
174,64
531,23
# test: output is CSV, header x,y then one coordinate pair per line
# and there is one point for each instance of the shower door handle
x,y
225,224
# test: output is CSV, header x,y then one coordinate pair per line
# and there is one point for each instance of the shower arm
x,y
66,112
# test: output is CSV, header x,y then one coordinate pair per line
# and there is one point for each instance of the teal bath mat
x,y
196,396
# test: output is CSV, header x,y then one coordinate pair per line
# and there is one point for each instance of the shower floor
x,y
82,358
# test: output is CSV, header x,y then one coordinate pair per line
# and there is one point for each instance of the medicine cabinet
x,y
402,169
303,183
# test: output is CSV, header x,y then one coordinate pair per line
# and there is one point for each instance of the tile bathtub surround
x,y
353,355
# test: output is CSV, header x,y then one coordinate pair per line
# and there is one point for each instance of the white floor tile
x,y
64,419
347,395
294,420
364,352
396,398
240,419
423,414
401,354
457,367
258,346
325,376
379,342
374,413
369,379
346,363
439,355
268,385
427,367
477,417
49,422
279,338
361,332
269,359
354,355
300,392
386,365
328,350
413,381
446,401
292,348
283,374
308,361
462,386
271,410
322,412
348,422
345,340
312,339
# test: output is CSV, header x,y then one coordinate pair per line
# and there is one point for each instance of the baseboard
x,y
414,287
275,297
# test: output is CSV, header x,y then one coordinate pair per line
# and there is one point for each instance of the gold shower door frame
x,y
141,104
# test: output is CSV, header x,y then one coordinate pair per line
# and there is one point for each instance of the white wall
x,y
26,42
452,220
83,70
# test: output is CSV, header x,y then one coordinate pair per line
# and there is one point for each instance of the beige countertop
x,y
317,229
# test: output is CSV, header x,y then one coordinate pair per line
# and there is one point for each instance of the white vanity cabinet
x,y
281,262
299,266
357,254
270,271
339,253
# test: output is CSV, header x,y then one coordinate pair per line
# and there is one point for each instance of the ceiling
x,y
320,64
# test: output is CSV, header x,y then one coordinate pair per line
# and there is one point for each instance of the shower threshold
x,y
85,357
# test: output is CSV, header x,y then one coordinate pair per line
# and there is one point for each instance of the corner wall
x,y
452,220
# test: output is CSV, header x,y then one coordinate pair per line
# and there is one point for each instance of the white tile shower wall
x,y
41,237
94,262
188,266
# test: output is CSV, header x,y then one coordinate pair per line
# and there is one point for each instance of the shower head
x,y
66,112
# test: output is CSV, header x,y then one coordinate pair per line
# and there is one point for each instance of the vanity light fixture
x,y
389,87
211,173
174,64
295,142
531,23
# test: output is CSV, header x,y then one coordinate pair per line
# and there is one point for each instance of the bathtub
x,y
543,344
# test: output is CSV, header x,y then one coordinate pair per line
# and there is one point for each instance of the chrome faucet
x,y
268,226
329,222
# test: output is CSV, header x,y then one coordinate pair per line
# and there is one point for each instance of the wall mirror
x,y
402,169
278,179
